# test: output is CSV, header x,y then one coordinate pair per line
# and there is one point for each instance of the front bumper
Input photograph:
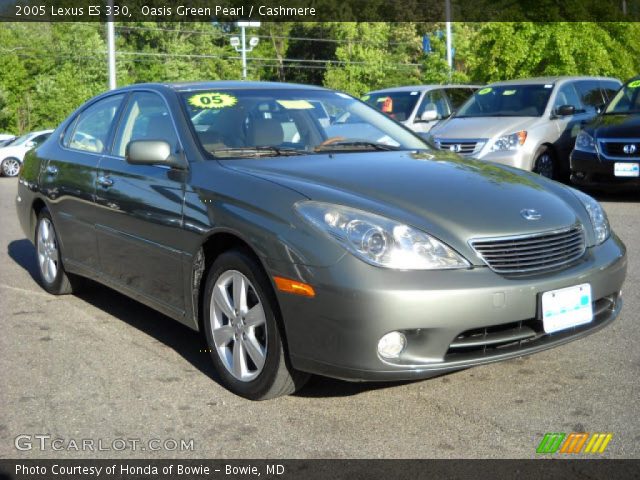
x,y
590,170
336,333
520,158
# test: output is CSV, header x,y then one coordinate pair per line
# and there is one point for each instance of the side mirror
x,y
428,116
30,144
565,110
152,152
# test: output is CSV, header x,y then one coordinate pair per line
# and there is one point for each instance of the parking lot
x,y
101,366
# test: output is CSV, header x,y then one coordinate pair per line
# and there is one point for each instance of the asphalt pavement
x,y
102,368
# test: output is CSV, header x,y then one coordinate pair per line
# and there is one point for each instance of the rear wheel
x,y
10,167
545,163
53,278
243,331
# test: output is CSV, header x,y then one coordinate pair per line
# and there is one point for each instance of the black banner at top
x,y
320,10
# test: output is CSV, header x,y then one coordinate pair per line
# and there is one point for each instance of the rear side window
x,y
92,127
590,95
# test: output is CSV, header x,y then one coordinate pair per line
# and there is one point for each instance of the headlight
x,y
598,217
378,240
585,142
510,142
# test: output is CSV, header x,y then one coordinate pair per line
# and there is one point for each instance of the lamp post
x,y
240,44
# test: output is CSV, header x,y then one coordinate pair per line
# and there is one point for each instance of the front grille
x,y
531,253
497,339
462,147
617,148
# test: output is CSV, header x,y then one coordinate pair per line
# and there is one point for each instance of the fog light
x,y
392,344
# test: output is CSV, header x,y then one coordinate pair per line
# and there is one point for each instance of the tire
x,y
246,342
53,277
10,167
545,164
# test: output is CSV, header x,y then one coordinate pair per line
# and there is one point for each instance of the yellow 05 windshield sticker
x,y
484,91
212,100
295,104
634,84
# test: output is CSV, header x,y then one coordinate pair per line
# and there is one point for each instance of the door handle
x,y
104,181
52,170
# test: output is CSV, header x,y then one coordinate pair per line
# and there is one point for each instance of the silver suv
x,y
529,124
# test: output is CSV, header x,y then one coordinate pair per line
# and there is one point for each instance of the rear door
x,y
69,177
139,221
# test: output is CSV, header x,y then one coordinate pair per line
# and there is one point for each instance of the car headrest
x,y
265,132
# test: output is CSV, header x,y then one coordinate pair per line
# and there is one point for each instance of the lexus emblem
x,y
457,147
530,214
629,149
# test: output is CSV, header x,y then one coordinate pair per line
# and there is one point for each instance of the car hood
x,y
481,127
615,126
451,198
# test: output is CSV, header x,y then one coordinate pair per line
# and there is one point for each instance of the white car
x,y
11,156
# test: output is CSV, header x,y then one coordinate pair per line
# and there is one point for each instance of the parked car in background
x,y
607,150
297,252
529,124
420,107
11,155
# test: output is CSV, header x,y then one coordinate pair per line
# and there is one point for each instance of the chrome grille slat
x,y
524,251
530,253
535,261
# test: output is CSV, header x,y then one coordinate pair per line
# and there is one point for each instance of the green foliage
x,y
47,70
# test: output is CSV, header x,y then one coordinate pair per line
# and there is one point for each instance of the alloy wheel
x,y
544,165
238,325
47,248
10,167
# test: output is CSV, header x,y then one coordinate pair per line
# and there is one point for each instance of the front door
x,y
140,209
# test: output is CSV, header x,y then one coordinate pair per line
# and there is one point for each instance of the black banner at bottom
x,y
546,469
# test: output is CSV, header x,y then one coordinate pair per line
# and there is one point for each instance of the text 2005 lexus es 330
x,y
297,243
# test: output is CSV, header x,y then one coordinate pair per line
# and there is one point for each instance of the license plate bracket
x,y
566,307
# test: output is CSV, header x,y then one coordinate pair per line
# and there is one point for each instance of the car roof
x,y
420,88
39,132
548,80
223,84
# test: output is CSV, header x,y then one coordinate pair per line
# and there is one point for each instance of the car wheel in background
x,y
545,163
50,269
10,167
243,330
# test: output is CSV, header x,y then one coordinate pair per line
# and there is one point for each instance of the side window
x,y
39,140
146,117
590,95
457,96
434,100
92,127
609,89
567,95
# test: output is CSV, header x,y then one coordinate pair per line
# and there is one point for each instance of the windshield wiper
x,y
356,145
252,152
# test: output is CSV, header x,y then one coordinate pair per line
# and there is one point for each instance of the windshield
x,y
398,105
271,122
507,101
627,100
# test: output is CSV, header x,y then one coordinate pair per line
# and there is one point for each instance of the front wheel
x,y
10,167
545,164
243,332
